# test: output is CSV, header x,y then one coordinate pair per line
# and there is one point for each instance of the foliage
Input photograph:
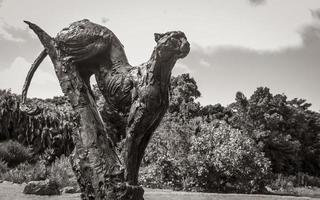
x,y
287,130
173,156
159,175
14,153
214,158
165,159
183,92
51,129
282,182
227,159
61,172
215,112
286,182
3,167
25,172
195,148
284,131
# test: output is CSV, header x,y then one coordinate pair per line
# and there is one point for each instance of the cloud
x,y
43,84
257,2
15,42
104,20
204,63
14,34
1,2
180,68
228,69
315,13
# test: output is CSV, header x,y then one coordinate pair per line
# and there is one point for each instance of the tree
x,y
285,129
183,93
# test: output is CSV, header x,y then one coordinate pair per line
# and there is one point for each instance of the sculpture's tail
x,y
46,40
24,107
48,43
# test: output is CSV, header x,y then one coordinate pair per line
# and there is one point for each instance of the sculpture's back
x,y
84,41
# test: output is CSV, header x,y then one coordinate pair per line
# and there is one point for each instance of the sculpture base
x,y
125,192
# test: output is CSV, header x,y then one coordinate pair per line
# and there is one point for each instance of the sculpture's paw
x,y
124,191
130,192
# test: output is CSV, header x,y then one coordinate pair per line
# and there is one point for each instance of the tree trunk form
x,y
136,100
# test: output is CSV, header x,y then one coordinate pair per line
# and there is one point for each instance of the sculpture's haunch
x,y
136,100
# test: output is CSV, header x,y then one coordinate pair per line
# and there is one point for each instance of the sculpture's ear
x,y
157,36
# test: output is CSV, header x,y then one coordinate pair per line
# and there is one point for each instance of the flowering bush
x,y
228,160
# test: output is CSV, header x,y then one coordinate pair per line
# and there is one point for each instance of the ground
x,y
9,191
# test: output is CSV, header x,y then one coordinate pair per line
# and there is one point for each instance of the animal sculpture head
x,y
172,45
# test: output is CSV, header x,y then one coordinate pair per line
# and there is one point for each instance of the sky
x,y
235,45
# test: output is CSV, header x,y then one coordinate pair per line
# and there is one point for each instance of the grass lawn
x,y
9,191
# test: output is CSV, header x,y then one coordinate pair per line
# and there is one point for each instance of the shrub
x,y
165,163
163,174
61,172
287,182
25,172
3,167
150,177
14,153
204,156
224,159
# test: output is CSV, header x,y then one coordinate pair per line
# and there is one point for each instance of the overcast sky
x,y
236,45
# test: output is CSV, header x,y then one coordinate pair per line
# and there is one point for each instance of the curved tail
x,y
24,107
48,43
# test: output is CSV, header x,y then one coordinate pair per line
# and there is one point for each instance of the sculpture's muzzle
x,y
184,49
